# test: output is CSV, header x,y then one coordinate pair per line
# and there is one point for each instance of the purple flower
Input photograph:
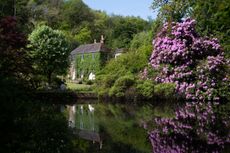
x,y
184,58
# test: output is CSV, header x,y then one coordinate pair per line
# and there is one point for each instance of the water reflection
x,y
118,126
81,117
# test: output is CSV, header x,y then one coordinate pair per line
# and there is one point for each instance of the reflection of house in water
x,y
72,111
82,120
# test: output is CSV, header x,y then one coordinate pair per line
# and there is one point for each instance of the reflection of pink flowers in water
x,y
195,128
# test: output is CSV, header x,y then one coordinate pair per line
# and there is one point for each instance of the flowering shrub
x,y
197,127
195,64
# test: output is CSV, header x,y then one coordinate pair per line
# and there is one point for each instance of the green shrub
x,y
109,80
104,83
145,88
120,86
166,90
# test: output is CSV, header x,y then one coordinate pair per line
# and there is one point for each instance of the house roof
x,y
89,48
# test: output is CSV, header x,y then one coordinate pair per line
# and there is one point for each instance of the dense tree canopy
x,y
212,16
49,50
13,56
81,23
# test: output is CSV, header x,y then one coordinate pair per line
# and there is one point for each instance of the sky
x,y
124,7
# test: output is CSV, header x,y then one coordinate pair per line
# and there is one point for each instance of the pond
x,y
111,128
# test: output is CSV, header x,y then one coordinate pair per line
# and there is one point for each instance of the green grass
x,y
79,87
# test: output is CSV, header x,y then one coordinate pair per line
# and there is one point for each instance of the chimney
x,y
102,39
95,41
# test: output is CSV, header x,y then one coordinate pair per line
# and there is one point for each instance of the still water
x,y
110,128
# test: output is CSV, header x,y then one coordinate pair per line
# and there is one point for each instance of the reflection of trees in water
x,y
115,125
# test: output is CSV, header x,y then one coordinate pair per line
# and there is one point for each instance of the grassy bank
x,y
80,88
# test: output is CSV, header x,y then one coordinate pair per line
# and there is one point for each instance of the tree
x,y
171,10
212,16
48,11
13,56
18,9
49,50
75,12
123,29
84,36
213,20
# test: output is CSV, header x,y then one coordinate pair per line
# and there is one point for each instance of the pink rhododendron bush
x,y
197,67
195,64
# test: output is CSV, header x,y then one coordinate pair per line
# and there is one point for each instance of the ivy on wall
x,y
89,62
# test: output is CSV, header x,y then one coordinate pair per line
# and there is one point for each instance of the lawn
x,y
79,87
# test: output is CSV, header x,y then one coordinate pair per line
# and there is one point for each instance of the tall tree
x,y
74,12
18,9
124,29
48,11
49,49
13,56
212,16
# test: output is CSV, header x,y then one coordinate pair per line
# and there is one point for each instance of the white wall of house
x,y
117,54
74,74
72,71
91,76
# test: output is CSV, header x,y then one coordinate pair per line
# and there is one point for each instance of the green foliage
x,y
75,12
212,16
213,20
104,83
46,11
121,85
13,53
17,9
142,43
127,64
171,10
73,43
124,30
84,35
141,39
79,87
165,89
82,23
145,88
131,62
49,51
